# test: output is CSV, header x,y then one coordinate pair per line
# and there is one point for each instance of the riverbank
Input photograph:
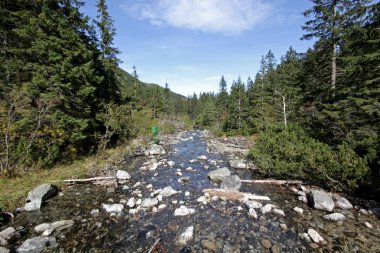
x,y
14,190
165,205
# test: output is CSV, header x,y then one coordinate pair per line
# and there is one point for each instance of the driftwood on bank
x,y
234,195
272,181
154,246
87,180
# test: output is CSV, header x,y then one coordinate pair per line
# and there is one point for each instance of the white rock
x,y
189,169
202,157
335,217
159,197
279,212
301,193
192,161
363,211
146,203
266,209
317,238
149,186
253,204
131,202
33,205
113,208
219,174
7,233
343,203
122,175
154,166
214,198
171,163
161,207
136,185
94,212
168,191
368,225
42,227
183,211
187,194
175,202
238,164
179,173
49,228
185,236
133,211
298,210
201,199
293,189
138,202
125,187
252,213
321,200
154,209
157,191
302,198
304,236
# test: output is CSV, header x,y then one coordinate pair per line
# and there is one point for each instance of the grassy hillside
x,y
146,89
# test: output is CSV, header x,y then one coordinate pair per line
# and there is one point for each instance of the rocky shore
x,y
192,194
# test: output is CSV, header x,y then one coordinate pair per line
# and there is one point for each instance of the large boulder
x,y
37,244
343,203
321,200
238,164
43,192
39,194
156,150
219,174
231,183
7,233
122,175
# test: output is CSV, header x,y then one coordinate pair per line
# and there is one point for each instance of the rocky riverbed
x,y
160,205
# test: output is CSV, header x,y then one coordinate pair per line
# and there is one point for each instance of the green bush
x,y
291,154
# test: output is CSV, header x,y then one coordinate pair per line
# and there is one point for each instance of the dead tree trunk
x,y
284,109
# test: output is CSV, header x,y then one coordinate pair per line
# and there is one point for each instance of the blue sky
x,y
189,44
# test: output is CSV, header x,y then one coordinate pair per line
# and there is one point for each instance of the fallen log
x,y
234,195
86,180
273,181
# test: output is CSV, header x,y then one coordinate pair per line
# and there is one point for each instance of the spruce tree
x,y
222,101
237,108
331,19
108,53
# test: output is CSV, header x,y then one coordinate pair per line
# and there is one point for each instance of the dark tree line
x,y
62,94
324,101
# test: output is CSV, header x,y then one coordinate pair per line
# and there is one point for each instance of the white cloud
x,y
213,78
229,17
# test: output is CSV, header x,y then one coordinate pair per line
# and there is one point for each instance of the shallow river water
x,y
220,227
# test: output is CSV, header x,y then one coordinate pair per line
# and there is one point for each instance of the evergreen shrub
x,y
291,154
